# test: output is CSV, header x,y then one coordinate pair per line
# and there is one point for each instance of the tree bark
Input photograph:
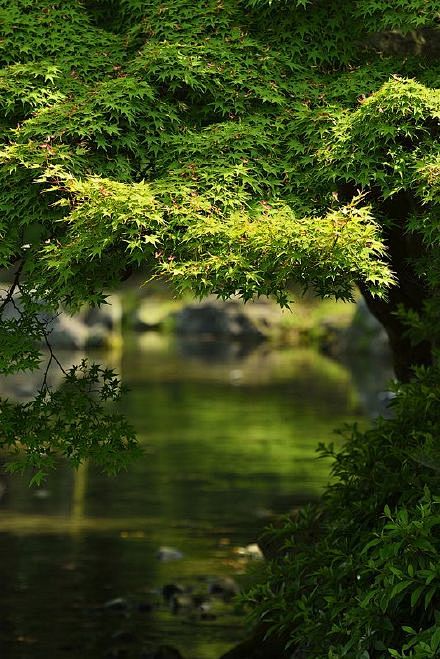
x,y
409,293
405,354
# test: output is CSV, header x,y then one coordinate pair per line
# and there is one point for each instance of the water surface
x,y
229,438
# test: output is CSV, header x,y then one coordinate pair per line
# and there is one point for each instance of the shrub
x,y
358,575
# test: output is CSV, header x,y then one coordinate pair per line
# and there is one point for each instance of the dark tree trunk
x,y
409,293
405,355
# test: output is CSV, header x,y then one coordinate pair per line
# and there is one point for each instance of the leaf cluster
x,y
369,583
74,422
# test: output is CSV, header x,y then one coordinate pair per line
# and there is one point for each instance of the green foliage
x,y
238,121
56,31
402,118
398,14
73,421
194,241
358,574
233,147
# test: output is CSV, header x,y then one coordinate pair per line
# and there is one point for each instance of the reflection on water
x,y
227,442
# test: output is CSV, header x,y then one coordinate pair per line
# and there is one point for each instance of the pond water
x,y
229,439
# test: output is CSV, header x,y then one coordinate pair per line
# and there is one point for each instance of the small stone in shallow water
x,y
251,551
224,587
116,604
207,615
171,589
169,554
263,513
41,494
199,599
180,603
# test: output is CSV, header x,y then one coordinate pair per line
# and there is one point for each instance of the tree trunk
x,y
410,292
405,355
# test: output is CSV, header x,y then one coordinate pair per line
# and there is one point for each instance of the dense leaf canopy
x,y
231,146
178,133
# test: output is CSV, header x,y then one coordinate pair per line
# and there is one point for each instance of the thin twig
x,y
44,386
42,325
14,285
51,352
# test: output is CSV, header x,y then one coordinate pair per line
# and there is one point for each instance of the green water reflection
x,y
229,439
